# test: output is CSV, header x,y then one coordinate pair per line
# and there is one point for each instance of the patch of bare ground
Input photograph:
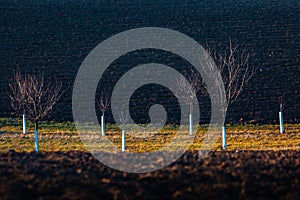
x,y
219,175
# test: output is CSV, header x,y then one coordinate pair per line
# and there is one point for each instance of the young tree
x,y
189,88
281,124
236,73
123,119
30,95
103,103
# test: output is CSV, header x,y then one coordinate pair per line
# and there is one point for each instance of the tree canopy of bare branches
x,y
31,95
123,117
104,102
235,69
190,87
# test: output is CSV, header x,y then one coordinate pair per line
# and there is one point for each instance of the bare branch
x,y
104,102
235,70
190,87
31,95
123,116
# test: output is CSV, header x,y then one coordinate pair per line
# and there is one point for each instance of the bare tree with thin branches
x,y
123,119
236,73
188,89
103,103
31,95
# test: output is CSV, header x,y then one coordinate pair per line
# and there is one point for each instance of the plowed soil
x,y
219,175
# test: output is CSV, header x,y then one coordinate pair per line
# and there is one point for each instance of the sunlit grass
x,y
62,136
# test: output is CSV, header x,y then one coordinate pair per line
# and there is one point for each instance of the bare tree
x,y
123,119
189,87
103,103
30,95
236,73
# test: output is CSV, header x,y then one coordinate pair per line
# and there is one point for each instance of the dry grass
x,y
56,136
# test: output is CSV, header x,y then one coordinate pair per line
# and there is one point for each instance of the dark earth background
x,y
219,175
56,36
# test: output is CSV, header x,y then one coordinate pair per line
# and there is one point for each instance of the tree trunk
x,y
24,123
36,132
281,122
224,137
123,140
224,131
36,126
191,119
191,124
103,124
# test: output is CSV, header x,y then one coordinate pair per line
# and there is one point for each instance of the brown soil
x,y
220,175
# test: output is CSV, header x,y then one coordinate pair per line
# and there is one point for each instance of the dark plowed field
x,y
220,175
56,36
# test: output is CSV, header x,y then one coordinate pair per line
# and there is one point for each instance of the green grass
x,y
62,136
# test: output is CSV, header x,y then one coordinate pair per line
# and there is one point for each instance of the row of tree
x,y
31,95
236,73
